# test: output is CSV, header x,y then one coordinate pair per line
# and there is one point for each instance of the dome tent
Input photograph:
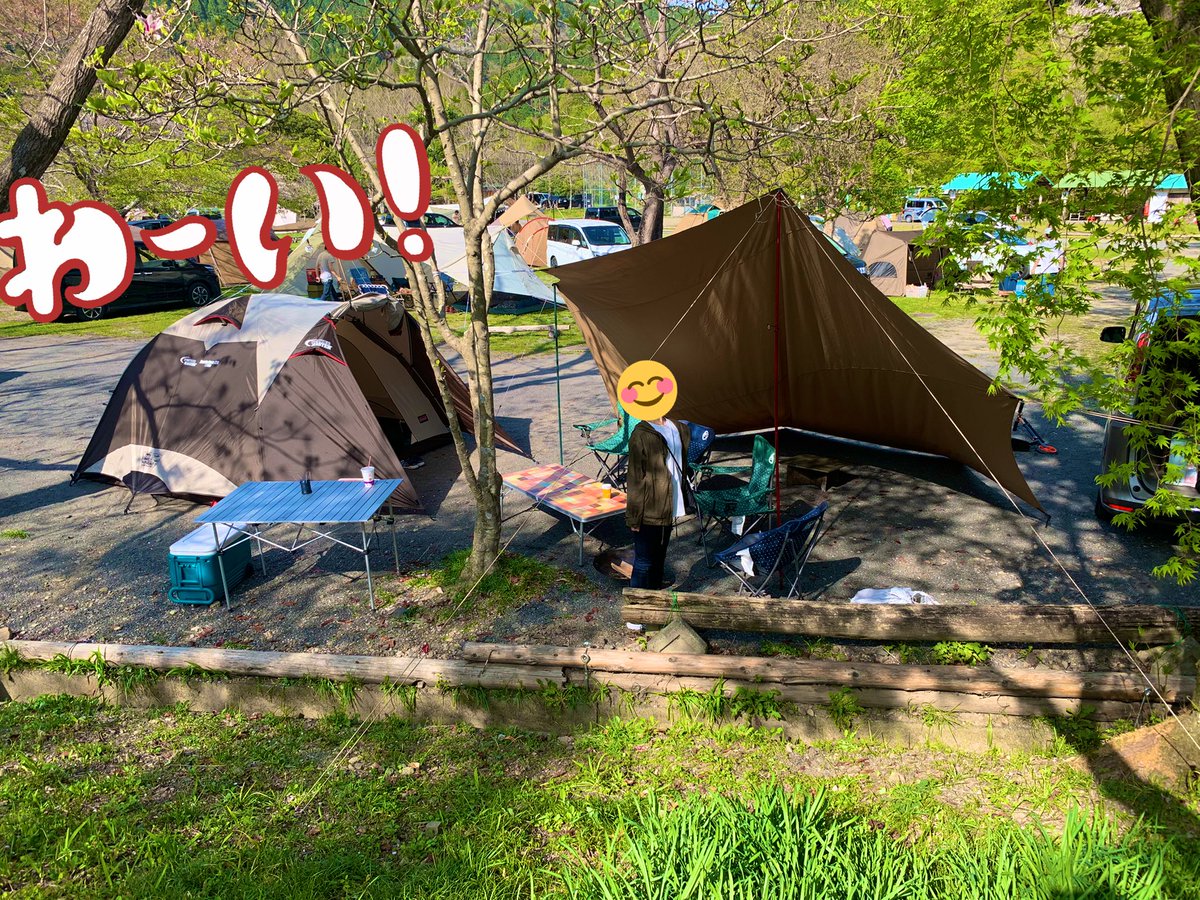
x,y
267,387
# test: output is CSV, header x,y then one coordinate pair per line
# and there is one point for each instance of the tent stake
x,y
557,376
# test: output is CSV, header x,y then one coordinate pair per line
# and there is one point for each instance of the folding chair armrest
x,y
588,427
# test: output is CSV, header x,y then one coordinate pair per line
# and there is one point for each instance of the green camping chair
x,y
751,500
610,450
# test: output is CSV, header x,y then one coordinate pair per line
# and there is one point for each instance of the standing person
x,y
330,283
655,494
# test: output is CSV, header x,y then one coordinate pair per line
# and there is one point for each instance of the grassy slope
x,y
15,324
103,802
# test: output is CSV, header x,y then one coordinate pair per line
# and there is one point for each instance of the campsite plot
x,y
86,570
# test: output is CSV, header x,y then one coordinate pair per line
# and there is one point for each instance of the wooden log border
x,y
271,664
989,623
1109,695
778,672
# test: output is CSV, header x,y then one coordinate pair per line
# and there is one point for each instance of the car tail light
x,y
1118,507
1135,369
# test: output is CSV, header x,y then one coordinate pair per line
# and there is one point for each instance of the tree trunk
x,y
485,544
653,209
1174,24
44,135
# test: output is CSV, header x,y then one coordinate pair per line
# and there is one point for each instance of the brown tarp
x,y
220,257
522,208
690,220
531,241
850,363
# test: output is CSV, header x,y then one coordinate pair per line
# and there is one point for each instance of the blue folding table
x,y
331,503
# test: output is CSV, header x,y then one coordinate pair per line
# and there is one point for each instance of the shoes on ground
x,y
415,463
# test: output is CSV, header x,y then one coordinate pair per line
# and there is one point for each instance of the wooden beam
x,y
1006,623
515,329
777,672
871,698
271,664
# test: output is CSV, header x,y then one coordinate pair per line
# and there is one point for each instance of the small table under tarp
x,y
572,494
331,503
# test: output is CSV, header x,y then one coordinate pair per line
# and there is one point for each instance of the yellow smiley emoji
x,y
647,390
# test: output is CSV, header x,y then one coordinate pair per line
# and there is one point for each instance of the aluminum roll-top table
x,y
259,504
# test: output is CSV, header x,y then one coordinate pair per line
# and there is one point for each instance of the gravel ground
x,y
90,571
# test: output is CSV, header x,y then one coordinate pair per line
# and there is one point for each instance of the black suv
x,y
1167,318
156,283
610,214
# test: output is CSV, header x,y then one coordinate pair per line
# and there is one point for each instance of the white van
x,y
915,207
576,239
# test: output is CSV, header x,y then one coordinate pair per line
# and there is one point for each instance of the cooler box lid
x,y
202,543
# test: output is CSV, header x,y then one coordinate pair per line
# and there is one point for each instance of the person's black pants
x,y
649,556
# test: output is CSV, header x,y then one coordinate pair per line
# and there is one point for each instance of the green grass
x,y
14,534
512,581
938,305
15,324
103,802
528,342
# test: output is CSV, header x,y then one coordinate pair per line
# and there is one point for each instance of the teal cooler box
x,y
195,572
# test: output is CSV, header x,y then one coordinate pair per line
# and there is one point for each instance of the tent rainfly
x,y
267,387
765,326
893,262
531,241
515,287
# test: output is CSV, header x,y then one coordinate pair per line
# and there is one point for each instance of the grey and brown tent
x,y
766,325
267,387
893,263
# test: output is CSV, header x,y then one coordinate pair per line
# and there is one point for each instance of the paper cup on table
x,y
368,474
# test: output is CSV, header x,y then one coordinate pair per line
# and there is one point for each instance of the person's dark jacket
x,y
650,499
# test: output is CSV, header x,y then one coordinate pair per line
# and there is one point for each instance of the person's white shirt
x,y
670,434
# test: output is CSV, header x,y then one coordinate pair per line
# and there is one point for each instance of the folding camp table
x,y
331,503
572,494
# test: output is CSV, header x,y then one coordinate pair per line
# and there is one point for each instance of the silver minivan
x,y
576,239
1131,494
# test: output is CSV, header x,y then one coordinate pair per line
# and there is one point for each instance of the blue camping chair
x,y
699,448
610,450
361,276
783,549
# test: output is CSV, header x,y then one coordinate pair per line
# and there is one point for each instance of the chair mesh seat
x,y
787,546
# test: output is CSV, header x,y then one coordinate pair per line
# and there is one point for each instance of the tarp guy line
x,y
1150,684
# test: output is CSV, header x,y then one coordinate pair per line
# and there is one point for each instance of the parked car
x,y
851,255
966,218
429,220
157,283
1164,320
915,207
574,240
610,214
153,222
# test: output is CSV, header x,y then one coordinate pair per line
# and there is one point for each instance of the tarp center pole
x,y
778,279
557,376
